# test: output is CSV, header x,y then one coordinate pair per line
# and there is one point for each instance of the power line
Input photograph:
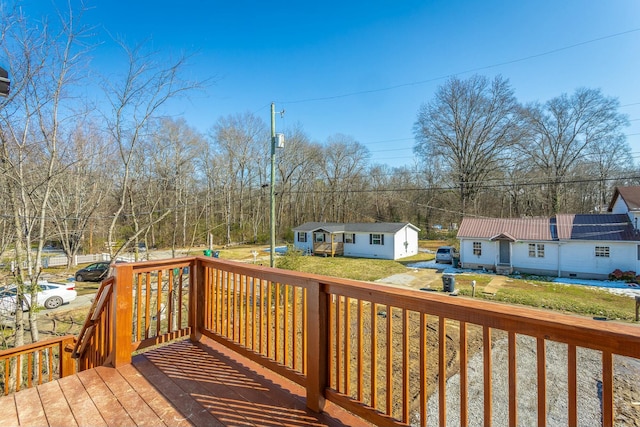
x,y
479,186
471,70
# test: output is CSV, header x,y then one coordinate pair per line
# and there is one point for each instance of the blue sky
x,y
363,68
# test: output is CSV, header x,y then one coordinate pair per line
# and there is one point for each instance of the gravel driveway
x,y
626,388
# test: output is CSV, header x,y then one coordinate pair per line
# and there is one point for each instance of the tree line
x,y
97,164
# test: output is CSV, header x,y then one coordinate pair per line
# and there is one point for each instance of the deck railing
x,y
34,364
142,305
393,356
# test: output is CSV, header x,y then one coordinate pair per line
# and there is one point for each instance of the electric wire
x,y
471,70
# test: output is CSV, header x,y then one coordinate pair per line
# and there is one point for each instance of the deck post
x,y
67,363
196,299
317,351
122,315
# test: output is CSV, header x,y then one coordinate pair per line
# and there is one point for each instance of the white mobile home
x,y
384,240
567,245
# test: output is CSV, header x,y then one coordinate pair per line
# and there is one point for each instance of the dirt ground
x,y
415,278
626,390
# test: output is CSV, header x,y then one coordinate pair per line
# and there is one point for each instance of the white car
x,y
50,295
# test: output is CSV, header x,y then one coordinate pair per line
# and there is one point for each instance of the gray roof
x,y
600,227
355,227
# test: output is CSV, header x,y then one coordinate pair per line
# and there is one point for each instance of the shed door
x,y
505,253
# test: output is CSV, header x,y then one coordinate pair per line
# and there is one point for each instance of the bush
x,y
291,260
627,276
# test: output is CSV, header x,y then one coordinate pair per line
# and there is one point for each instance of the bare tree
x,y
135,100
45,60
609,158
565,130
470,128
343,167
240,144
297,163
172,155
79,191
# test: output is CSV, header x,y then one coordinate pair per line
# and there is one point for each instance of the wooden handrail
x,y
39,345
98,307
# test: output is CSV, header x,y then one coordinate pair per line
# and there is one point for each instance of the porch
x,y
388,355
330,249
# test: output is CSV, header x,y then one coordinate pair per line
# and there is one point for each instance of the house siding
x,y
486,260
566,259
303,246
410,236
363,249
579,260
619,207
393,247
524,263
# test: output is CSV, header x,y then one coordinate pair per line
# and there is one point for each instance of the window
x,y
602,251
540,250
477,248
376,239
349,238
536,250
302,237
318,237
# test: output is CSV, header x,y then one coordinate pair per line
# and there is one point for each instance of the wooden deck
x,y
180,384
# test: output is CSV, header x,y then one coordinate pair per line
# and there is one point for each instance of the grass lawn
x,y
576,299
349,268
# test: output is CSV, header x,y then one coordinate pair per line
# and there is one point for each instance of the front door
x,y
505,252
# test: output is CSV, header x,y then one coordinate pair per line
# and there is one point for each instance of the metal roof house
x,y
384,240
566,245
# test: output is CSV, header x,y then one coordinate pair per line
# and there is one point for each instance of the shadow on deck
x,y
180,384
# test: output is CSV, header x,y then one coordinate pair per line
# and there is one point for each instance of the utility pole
x,y
276,139
272,219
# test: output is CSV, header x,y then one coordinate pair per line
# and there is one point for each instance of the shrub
x,y
291,260
615,274
627,276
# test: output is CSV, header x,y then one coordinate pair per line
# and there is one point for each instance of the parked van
x,y
445,254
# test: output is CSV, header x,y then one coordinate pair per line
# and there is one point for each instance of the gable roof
x,y
630,196
355,227
600,227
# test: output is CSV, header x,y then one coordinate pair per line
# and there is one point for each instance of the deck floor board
x,y
56,408
84,410
180,384
8,411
